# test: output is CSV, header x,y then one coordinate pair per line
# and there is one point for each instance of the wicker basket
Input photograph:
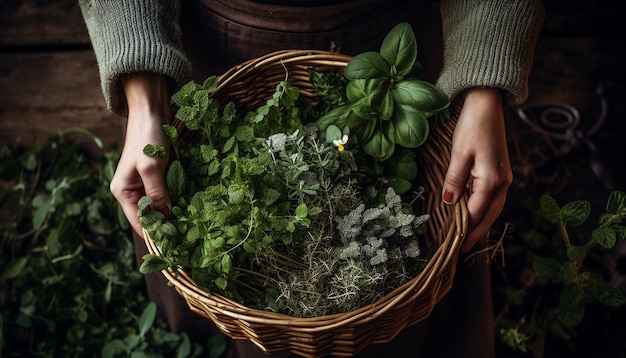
x,y
251,84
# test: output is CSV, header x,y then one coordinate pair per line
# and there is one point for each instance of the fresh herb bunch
x,y
388,102
272,212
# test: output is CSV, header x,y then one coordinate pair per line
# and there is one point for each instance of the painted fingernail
x,y
447,197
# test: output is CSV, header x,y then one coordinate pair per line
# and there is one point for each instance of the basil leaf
x,y
380,145
363,109
404,166
367,96
399,48
386,107
411,126
336,116
400,185
367,65
357,89
422,95
362,128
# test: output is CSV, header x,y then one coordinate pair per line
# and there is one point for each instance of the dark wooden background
x,y
49,78
49,82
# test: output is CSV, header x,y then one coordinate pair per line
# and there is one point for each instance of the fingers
x,y
152,174
479,152
484,205
456,177
131,182
489,186
487,193
127,188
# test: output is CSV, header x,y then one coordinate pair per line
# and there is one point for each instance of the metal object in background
x,y
561,123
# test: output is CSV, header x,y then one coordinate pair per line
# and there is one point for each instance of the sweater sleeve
x,y
489,44
133,36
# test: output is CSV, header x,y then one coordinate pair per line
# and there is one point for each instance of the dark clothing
x,y
239,30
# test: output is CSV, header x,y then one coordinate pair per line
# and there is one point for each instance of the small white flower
x,y
340,143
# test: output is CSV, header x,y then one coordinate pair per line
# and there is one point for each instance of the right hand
x,y
479,151
138,174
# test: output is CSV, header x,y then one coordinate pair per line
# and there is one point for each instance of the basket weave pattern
x,y
251,84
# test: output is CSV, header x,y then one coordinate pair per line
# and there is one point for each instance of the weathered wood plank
x,y
41,93
36,23
46,91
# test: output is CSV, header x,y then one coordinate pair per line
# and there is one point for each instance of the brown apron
x,y
223,33
220,34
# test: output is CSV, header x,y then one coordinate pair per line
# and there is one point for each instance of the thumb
x,y
155,188
456,179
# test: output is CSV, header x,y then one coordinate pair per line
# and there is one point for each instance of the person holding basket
x,y
478,52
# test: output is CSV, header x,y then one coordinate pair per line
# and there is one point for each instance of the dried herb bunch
x,y
350,253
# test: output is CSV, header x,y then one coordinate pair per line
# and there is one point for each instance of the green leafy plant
x,y
69,286
150,340
560,285
388,103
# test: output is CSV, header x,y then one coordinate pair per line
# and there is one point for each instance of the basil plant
x,y
388,103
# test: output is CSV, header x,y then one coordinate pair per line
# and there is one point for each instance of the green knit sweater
x,y
487,43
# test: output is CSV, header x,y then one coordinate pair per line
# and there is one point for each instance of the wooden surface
x,y
49,77
48,74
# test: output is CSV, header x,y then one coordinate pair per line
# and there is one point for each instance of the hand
x,y
479,152
138,174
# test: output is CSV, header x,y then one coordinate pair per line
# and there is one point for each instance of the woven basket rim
x,y
184,282
435,277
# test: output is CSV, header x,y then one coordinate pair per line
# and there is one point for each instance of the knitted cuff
x,y
489,44
134,36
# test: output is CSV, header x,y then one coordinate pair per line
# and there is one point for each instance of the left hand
x,y
137,174
479,152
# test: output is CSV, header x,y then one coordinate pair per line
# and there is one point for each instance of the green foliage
x,y
154,150
562,286
69,286
150,341
273,114
387,103
252,191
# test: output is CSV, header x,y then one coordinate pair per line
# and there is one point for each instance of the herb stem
x,y
568,243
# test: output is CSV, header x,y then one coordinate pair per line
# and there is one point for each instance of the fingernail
x,y
165,211
447,197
